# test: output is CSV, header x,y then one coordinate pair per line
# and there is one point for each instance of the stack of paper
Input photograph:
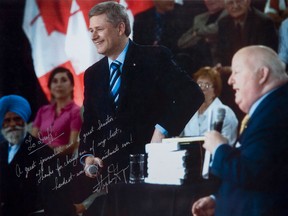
x,y
174,161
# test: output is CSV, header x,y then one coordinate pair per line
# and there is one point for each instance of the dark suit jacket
x,y
258,30
254,177
175,23
153,91
19,186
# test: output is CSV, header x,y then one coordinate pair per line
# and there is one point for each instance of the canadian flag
x,y
58,34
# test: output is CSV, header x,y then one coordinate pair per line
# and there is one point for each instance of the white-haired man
x,y
254,175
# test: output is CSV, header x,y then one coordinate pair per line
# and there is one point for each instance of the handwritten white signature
x,y
114,175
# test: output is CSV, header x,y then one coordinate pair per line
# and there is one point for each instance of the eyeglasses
x,y
205,85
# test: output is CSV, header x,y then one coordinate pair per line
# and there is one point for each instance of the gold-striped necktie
x,y
244,123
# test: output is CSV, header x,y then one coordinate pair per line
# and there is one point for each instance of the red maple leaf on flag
x,y
54,19
86,6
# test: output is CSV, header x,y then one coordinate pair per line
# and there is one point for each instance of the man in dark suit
x,y
156,99
244,26
255,175
162,24
19,160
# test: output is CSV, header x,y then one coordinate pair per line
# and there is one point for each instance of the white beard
x,y
14,135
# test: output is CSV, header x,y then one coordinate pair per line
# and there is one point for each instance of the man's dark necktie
x,y
238,37
115,80
239,30
158,29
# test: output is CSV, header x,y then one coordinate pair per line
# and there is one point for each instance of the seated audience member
x,y
58,125
209,81
283,42
277,10
243,26
162,24
254,176
20,155
201,39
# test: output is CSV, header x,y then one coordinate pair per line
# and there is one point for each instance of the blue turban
x,y
15,104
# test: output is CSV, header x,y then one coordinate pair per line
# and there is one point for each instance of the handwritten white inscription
x,y
114,176
58,169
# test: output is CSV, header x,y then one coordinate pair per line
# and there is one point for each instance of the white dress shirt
x,y
12,151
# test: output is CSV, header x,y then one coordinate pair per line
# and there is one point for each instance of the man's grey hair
x,y
116,13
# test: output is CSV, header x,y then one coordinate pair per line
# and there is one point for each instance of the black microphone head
x,y
218,124
221,112
92,169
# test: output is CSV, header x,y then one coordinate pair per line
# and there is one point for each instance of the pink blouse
x,y
55,130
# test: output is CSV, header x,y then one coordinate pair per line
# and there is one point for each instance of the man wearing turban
x,y
20,156
15,111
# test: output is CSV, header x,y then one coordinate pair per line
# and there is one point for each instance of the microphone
x,y
218,124
92,169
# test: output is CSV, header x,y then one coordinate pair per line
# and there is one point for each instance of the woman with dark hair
x,y
210,82
58,124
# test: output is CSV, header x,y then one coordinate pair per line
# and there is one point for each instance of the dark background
x,y
17,75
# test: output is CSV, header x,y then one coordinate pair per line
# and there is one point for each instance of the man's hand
x,y
157,136
90,160
80,208
212,140
204,207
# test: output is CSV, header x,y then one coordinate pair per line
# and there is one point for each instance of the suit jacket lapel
x,y
22,153
263,105
128,71
4,152
103,98
110,102
202,20
267,100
